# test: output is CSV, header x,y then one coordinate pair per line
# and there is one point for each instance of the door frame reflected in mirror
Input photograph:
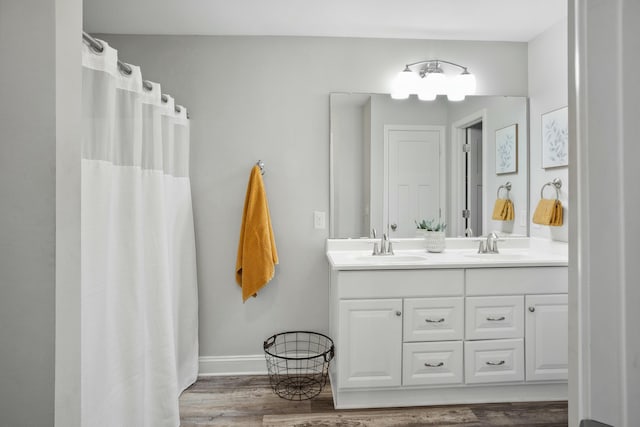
x,y
458,184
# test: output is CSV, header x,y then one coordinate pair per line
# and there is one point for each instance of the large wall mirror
x,y
394,162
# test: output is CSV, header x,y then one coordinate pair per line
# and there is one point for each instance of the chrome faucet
x,y
385,247
490,246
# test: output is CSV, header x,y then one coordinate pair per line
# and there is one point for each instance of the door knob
x,y
398,313
532,309
394,227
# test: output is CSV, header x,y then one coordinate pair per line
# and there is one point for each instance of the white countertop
x,y
355,254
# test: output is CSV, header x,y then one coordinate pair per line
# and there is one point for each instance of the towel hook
x,y
507,187
260,164
557,183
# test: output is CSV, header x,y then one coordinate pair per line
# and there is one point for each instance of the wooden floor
x,y
249,401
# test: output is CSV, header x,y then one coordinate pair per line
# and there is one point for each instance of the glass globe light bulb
x,y
467,82
404,84
438,81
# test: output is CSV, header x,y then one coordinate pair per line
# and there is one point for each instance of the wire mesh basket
x,y
298,363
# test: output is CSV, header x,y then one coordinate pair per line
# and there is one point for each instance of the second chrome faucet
x,y
490,246
384,247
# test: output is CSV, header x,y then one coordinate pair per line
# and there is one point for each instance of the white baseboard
x,y
253,364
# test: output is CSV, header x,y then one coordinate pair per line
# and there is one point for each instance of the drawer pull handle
x,y
434,321
532,309
398,313
490,363
434,365
496,319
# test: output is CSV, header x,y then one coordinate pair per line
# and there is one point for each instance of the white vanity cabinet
x,y
444,336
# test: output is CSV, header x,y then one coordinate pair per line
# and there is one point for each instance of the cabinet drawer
x,y
433,319
494,317
432,363
494,361
513,281
396,283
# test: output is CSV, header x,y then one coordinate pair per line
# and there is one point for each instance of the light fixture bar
x,y
430,81
436,61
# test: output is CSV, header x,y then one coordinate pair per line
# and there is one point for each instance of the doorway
x,y
467,216
472,213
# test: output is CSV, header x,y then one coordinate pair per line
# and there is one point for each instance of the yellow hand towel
x,y
509,214
503,210
498,209
257,254
557,216
548,212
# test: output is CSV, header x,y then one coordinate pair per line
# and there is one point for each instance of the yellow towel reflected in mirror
x,y
503,210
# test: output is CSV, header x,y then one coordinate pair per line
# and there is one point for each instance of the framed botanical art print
x,y
555,138
507,149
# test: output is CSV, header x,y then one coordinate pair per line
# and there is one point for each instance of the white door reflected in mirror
x,y
413,180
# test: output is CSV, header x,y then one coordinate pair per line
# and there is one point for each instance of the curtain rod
x,y
97,47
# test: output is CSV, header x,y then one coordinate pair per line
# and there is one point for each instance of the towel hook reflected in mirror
x,y
557,183
507,187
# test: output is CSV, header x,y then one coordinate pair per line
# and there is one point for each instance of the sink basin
x,y
389,259
497,257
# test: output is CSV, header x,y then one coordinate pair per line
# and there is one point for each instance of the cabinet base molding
x,y
463,394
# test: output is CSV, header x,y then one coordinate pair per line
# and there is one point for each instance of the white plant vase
x,y
434,241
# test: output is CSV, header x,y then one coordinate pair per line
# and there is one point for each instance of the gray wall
x,y
27,221
548,91
267,98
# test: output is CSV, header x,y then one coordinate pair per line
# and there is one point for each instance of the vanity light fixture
x,y
427,80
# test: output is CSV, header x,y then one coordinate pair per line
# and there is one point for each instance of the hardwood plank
x,y
239,403
377,418
522,413
224,383
218,421
323,402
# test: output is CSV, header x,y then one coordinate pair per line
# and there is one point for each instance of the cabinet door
x,y
546,335
369,351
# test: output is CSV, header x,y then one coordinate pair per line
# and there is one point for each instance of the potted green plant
x,y
434,236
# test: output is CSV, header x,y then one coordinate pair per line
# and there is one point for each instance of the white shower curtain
x,y
139,330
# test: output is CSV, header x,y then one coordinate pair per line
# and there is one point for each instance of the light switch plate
x,y
319,220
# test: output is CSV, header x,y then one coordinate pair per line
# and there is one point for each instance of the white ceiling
x,y
496,20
